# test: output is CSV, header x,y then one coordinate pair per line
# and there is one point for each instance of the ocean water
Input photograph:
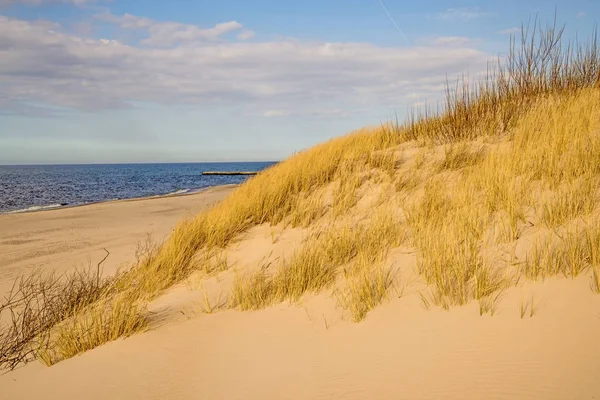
x,y
35,187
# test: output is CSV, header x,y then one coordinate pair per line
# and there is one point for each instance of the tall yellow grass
x,y
104,321
540,67
317,263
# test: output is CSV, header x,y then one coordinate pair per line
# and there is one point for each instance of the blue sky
x,y
86,81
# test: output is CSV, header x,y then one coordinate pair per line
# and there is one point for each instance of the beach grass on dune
x,y
91,326
53,317
510,154
317,264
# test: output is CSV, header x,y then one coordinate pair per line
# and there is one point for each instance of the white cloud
x,y
275,113
510,31
455,41
169,33
126,21
580,14
322,113
461,14
44,66
246,35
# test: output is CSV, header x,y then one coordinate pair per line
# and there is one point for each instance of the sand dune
x,y
305,350
309,350
400,352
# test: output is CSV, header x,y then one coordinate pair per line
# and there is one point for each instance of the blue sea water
x,y
34,187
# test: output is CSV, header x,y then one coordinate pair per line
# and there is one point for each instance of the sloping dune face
x,y
456,256
401,351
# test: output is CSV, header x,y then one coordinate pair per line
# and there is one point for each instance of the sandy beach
x,y
68,238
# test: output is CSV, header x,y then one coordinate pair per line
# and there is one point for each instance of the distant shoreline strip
x,y
229,173
56,206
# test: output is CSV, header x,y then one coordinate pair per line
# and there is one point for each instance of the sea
x,y
37,187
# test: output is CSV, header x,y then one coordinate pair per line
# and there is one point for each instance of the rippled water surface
x,y
35,187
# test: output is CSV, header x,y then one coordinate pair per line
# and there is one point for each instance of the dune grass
x,y
317,263
89,327
592,241
514,99
53,317
447,232
570,200
366,288
569,252
460,155
345,196
407,181
537,113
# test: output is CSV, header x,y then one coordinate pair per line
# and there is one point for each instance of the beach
x,y
76,237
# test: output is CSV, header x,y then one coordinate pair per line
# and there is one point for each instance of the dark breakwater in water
x,y
36,187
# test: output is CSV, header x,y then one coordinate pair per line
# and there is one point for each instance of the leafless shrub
x,y
38,302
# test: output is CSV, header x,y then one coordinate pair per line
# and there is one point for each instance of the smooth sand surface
x,y
63,239
401,351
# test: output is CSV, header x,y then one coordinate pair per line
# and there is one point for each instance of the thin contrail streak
x,y
393,22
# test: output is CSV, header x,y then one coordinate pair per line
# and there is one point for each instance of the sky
x,y
93,81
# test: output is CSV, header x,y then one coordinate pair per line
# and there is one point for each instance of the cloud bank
x,y
45,68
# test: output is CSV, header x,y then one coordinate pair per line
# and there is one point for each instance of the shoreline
x,y
56,207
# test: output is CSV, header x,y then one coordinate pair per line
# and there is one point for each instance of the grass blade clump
x,y
367,289
316,264
91,327
37,303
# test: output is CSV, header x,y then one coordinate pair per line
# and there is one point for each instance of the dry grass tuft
x,y
367,289
407,181
315,265
346,197
53,317
489,304
102,322
592,241
447,233
571,200
569,253
595,279
214,262
457,156
253,292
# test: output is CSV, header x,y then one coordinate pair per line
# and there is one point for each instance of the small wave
x,y
181,191
37,208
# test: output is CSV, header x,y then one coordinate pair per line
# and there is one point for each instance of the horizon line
x,y
134,163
